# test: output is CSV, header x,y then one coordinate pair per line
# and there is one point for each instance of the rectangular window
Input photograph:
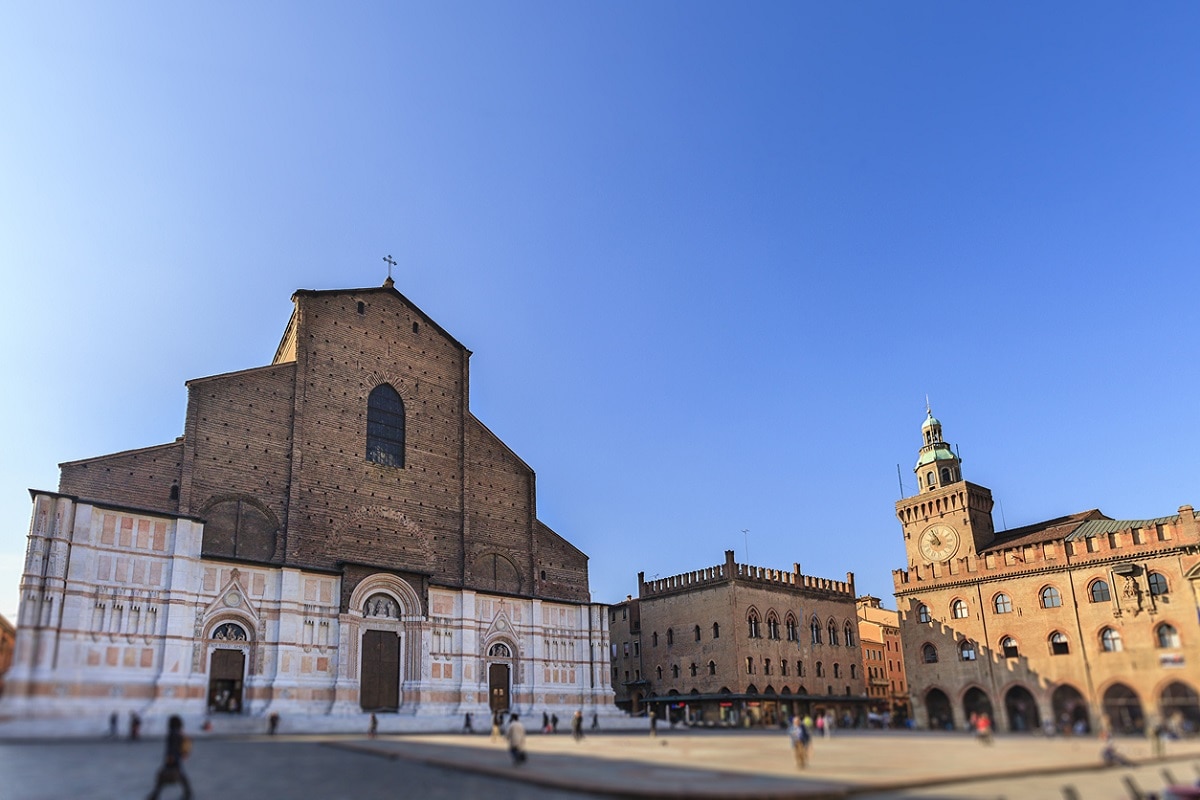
x,y
636,648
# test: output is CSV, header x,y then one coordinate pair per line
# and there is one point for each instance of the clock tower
x,y
948,517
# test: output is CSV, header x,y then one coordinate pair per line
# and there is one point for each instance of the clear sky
x,y
711,258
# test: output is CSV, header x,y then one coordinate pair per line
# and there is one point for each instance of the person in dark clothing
x,y
272,724
135,726
178,747
468,727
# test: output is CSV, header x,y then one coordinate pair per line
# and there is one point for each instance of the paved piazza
x,y
704,764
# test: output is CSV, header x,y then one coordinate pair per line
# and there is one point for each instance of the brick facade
x,y
734,644
316,540
1074,623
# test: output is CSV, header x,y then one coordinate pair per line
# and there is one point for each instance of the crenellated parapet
x,y
745,573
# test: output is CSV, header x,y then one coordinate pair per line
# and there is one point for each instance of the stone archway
x,y
1070,710
1022,710
976,702
1123,709
1179,705
229,647
937,706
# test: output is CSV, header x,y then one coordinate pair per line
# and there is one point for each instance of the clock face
x,y
939,542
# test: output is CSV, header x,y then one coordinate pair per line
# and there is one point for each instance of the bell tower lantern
x,y
948,517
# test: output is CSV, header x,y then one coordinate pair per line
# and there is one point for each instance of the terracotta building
x,y
883,660
736,644
334,533
8,637
1071,623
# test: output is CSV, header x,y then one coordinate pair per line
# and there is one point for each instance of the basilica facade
x,y
1078,623
335,533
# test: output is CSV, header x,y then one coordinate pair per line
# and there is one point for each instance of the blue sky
x,y
711,258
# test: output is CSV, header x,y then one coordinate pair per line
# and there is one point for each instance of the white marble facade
x,y
120,612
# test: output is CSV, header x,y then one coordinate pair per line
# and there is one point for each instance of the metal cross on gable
x,y
391,262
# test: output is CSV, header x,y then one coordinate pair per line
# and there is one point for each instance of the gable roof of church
x,y
384,290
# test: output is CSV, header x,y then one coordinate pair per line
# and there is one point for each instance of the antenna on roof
x,y
746,537
900,480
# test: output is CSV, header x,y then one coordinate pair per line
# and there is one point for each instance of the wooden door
x,y
225,672
498,687
379,683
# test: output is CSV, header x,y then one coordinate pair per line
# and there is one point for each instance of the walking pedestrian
x,y
801,741
577,726
467,723
272,724
653,723
497,721
171,771
545,722
516,739
828,724
374,726
554,723
112,726
595,721
983,728
135,726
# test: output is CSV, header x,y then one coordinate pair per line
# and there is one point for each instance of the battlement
x,y
731,571
1094,541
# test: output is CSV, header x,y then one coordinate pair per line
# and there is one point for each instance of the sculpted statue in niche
x,y
381,605
1132,592
229,633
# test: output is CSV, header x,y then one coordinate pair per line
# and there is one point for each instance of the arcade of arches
x,y
1123,710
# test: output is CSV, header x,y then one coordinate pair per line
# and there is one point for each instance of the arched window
x,y
1158,583
800,670
670,636
790,625
783,667
697,633
1167,635
853,671
712,668
837,670
1098,592
772,626
693,669
922,613
1008,646
1110,640
958,609
674,670
1002,603
929,478
752,624
749,665
716,630
1051,598
385,427
1058,644
966,651
820,670
815,629
945,475
848,635
766,666
929,654
654,639
833,639
658,671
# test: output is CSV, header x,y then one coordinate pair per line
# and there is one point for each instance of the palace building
x,y
334,533
1074,623
734,644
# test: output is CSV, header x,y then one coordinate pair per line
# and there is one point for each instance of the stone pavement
x,y
707,764
711,765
